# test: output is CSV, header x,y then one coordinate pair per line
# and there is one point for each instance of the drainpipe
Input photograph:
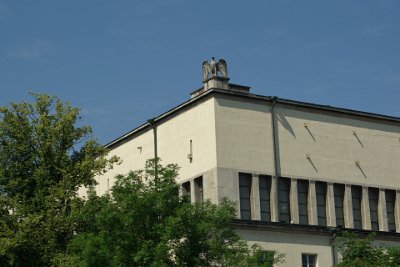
x,y
153,126
274,140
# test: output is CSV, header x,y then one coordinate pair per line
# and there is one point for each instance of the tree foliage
x,y
44,158
361,252
144,222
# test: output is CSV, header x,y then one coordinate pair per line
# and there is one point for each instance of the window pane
x,y
302,192
283,199
198,182
186,191
390,202
320,188
373,194
356,201
308,260
245,192
265,190
338,190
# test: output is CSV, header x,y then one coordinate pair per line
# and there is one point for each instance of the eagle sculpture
x,y
212,68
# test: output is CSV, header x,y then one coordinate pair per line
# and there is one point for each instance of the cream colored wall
x,y
244,137
173,136
333,142
292,245
334,145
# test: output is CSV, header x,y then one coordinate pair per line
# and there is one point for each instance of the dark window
x,y
390,202
186,191
284,199
320,189
309,260
267,257
245,192
198,186
265,191
373,194
356,201
302,192
338,191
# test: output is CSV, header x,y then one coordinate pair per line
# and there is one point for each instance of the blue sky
x,y
123,62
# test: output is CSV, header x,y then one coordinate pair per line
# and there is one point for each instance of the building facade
x,y
299,172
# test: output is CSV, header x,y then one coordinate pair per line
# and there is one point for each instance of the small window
x,y
265,190
390,202
245,192
302,193
309,260
320,188
186,191
373,194
267,257
284,199
198,189
356,201
338,190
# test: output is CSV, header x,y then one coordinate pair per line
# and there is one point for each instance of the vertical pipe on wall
x,y
153,126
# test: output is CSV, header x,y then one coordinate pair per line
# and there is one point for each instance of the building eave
x,y
270,99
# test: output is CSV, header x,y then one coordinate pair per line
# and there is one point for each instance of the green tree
x,y
44,158
144,222
361,252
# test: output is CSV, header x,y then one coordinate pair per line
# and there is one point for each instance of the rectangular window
x,y
390,202
320,190
302,194
267,257
373,195
309,260
265,191
186,191
284,199
338,191
245,193
356,201
198,186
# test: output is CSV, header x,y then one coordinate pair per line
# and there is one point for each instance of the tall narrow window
x,y
302,192
309,260
245,192
284,199
320,189
356,201
390,202
265,191
186,191
198,186
373,194
338,191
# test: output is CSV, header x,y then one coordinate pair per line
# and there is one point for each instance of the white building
x,y
298,171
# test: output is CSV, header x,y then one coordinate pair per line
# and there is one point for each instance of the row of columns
x,y
330,205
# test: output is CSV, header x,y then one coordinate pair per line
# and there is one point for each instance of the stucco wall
x,y
311,144
334,144
173,135
292,245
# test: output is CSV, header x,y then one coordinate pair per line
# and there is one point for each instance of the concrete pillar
x,y
294,202
255,198
348,207
274,199
397,211
330,205
382,214
365,210
312,204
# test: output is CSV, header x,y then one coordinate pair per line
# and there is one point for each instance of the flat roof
x,y
271,99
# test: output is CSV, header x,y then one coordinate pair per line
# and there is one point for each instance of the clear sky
x,y
123,62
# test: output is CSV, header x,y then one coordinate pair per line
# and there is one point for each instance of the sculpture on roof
x,y
212,68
